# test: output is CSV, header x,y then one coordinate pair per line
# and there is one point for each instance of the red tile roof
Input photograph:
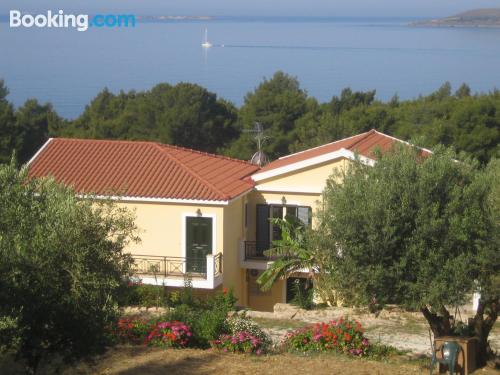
x,y
364,144
142,170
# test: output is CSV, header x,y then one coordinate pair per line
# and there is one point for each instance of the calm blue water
x,y
68,68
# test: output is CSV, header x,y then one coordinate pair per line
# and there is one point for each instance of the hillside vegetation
x,y
189,115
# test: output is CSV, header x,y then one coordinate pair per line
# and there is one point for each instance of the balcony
x,y
252,255
205,273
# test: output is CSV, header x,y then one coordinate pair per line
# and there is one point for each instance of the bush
x,y
207,319
61,266
131,330
169,335
342,336
303,295
237,324
241,342
138,294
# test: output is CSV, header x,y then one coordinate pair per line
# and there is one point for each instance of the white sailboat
x,y
206,43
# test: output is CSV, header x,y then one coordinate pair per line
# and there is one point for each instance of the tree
x,y
291,252
184,115
33,121
61,264
276,104
417,231
7,125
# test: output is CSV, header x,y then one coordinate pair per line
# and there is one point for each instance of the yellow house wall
x,y
301,188
311,179
161,227
233,234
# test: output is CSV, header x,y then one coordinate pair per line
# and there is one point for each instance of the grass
x,y
128,360
139,360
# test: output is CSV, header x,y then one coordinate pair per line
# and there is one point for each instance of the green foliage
x,y
61,265
409,230
25,129
206,318
137,294
276,103
292,252
241,323
189,115
302,296
185,115
341,336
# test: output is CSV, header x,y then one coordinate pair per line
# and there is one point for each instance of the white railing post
x,y
210,269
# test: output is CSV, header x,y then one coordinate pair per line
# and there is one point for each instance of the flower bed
x,y
169,335
241,342
131,330
163,334
342,336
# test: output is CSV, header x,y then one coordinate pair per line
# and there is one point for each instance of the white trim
x,y
285,190
185,215
39,151
342,153
210,282
125,198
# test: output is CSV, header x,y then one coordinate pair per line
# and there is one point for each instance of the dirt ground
x,y
140,360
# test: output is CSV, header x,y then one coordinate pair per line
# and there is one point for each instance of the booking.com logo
x,y
81,22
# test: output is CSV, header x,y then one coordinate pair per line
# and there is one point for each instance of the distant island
x,y
471,18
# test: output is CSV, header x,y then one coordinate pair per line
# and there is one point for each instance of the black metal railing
x,y
165,266
255,250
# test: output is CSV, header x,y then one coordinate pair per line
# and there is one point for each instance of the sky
x,y
360,8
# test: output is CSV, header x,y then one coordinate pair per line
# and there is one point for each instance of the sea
x,y
69,68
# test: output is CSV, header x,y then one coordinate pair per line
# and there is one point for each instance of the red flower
x,y
224,290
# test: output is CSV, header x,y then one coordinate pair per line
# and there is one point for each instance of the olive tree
x,y
61,264
415,230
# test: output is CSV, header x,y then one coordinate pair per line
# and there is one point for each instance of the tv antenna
x,y
259,158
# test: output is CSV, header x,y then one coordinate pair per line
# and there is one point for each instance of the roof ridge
x,y
189,171
205,153
159,144
320,146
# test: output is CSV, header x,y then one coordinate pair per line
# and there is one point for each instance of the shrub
x,y
303,295
131,330
207,319
138,294
241,342
169,335
342,336
237,324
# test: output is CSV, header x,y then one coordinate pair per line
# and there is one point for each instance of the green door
x,y
198,243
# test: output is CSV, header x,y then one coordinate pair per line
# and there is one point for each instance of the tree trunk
x,y
482,326
440,324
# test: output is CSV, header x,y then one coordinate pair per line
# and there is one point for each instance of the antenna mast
x,y
259,158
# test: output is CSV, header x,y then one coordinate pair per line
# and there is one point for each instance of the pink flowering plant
x,y
169,335
239,342
342,336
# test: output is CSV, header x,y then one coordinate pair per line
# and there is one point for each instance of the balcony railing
x,y
166,266
254,250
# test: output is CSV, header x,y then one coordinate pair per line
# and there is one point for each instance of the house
x,y
203,214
